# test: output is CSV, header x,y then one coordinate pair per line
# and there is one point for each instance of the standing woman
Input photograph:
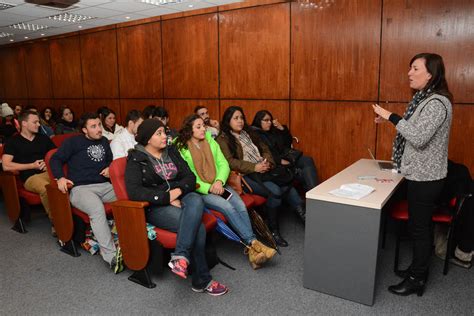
x,y
247,154
66,123
420,152
157,174
111,128
207,162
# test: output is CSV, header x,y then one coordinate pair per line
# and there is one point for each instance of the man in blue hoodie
x,y
88,157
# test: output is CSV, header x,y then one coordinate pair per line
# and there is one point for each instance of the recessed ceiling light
x,y
190,6
127,17
11,40
161,2
80,26
70,17
28,27
4,34
42,34
4,6
26,37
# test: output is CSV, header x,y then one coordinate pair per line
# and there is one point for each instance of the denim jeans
x,y
191,239
290,195
235,212
306,172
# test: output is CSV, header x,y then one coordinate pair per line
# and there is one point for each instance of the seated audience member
x,y
48,117
156,173
88,157
44,128
7,126
278,138
25,152
148,112
100,112
161,114
66,123
125,138
212,126
110,126
247,154
207,162
17,110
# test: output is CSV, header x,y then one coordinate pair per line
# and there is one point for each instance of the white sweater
x,y
122,143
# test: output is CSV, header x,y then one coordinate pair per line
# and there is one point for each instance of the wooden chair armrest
x,y
131,228
61,212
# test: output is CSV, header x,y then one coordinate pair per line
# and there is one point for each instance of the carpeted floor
x,y
36,278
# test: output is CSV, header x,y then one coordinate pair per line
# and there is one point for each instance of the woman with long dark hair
x,y
279,139
420,153
207,162
247,154
48,116
109,124
157,173
66,124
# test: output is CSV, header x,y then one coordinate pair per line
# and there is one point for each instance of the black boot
x,y
272,217
301,212
408,286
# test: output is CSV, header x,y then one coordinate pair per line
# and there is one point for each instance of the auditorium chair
x,y
17,199
66,218
59,139
443,215
139,253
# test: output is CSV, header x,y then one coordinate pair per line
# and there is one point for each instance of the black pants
x,y
422,197
465,227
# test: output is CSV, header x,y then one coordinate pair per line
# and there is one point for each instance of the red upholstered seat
x,y
399,212
259,200
30,197
248,199
59,139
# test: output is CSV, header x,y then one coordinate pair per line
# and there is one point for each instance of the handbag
x,y
279,175
237,182
292,155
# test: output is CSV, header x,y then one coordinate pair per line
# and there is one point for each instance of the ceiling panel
x,y
106,12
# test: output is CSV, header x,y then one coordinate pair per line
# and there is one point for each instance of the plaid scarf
x,y
399,142
249,149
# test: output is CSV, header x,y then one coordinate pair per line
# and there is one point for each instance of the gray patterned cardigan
x,y
425,157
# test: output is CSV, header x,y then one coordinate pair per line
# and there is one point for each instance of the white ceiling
x,y
105,12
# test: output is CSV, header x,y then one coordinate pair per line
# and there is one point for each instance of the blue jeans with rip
x,y
234,210
191,239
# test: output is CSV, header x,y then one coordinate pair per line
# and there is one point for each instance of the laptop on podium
x,y
383,165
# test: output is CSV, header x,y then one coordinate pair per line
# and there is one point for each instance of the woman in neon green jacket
x,y
206,160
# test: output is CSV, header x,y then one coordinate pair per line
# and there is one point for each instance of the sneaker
x,y
214,288
116,264
179,267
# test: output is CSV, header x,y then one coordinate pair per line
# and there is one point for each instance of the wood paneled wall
x,y
318,71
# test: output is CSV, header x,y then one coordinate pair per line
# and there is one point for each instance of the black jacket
x,y
143,184
279,141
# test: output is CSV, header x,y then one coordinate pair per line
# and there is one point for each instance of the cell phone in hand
x,y
227,194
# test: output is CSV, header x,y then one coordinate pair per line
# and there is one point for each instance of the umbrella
x,y
262,229
225,230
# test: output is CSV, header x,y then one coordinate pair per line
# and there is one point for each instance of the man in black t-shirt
x,y
25,152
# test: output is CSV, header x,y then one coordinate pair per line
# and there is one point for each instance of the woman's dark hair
x,y
106,112
435,66
64,108
226,130
257,120
101,110
148,111
53,115
186,131
86,117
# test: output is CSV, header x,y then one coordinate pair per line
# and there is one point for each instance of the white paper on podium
x,y
355,191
